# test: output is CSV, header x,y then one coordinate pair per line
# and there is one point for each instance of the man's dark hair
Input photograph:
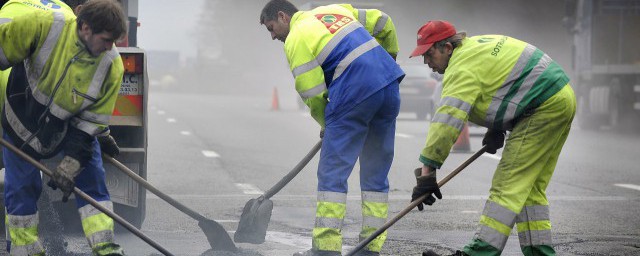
x,y
103,15
271,9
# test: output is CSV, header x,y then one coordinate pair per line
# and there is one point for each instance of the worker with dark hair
x,y
71,73
344,70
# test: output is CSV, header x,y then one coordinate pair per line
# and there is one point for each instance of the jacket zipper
x,y
83,95
55,89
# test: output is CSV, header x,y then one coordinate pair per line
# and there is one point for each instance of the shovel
x,y
256,214
87,198
216,235
415,203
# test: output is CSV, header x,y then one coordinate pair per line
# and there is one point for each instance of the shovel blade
x,y
254,221
217,236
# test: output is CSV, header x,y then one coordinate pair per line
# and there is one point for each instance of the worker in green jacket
x,y
503,84
65,78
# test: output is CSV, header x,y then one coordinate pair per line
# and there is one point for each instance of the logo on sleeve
x,y
334,22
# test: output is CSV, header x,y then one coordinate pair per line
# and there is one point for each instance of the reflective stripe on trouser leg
x,y
23,231
375,208
534,230
22,188
528,160
330,212
97,226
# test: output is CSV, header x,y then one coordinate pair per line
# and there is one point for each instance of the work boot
x,y
432,253
312,252
109,249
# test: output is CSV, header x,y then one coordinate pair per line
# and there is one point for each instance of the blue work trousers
x,y
367,131
23,183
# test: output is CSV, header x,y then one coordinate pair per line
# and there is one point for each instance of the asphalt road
x,y
215,152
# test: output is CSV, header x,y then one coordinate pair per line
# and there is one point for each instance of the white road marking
x,y
227,221
306,114
208,153
171,120
473,212
185,133
301,242
630,186
494,157
249,189
402,135
161,112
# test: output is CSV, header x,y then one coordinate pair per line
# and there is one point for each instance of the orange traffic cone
x,y
275,104
462,145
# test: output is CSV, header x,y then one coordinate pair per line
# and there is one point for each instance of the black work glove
x,y
494,139
322,133
425,185
64,175
108,145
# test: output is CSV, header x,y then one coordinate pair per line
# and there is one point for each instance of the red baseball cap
x,y
431,32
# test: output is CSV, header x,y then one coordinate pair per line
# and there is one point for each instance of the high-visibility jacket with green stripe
x,y
68,89
491,80
334,58
379,25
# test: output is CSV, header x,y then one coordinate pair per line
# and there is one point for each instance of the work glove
x,y
322,133
425,185
64,175
108,145
494,139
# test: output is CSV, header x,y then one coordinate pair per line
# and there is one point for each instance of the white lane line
x,y
249,189
209,153
171,120
402,135
306,114
473,212
227,221
161,112
630,186
494,157
185,133
301,242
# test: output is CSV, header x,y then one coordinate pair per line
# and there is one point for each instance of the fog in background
x,y
218,46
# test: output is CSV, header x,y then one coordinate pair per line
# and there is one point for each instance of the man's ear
x,y
77,10
448,48
285,17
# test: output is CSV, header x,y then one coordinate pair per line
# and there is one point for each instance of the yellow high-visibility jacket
x,y
379,25
491,80
334,58
69,90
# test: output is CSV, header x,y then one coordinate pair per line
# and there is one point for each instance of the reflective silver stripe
x,y
4,63
304,68
375,197
492,237
333,197
322,222
49,43
456,103
374,222
324,54
353,55
533,213
85,126
22,221
448,120
58,111
362,17
313,91
95,118
104,236
382,21
525,87
22,131
4,20
499,213
88,210
508,83
535,237
25,250
100,75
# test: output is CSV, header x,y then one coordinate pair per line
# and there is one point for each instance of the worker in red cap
x,y
504,84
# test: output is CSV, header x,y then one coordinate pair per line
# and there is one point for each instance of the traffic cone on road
x,y
462,145
275,104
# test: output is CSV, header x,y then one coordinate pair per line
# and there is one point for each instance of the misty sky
x,y
169,25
